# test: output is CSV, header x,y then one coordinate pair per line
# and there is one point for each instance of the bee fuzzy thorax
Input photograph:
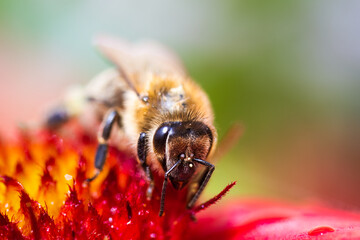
x,y
172,99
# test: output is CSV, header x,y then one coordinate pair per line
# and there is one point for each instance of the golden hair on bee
x,y
166,116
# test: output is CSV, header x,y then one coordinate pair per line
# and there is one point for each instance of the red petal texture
x,y
43,196
266,219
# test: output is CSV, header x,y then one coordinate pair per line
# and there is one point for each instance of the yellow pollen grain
x,y
68,177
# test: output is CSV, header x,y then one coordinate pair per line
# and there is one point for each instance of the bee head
x,y
182,141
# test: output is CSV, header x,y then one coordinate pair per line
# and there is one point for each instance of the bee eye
x,y
182,156
159,139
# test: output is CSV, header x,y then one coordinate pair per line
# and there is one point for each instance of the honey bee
x,y
166,116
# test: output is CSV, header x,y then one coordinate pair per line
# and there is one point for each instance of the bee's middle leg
x,y
102,149
142,153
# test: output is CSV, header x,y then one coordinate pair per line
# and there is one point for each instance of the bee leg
x,y
142,153
57,118
163,191
102,148
203,181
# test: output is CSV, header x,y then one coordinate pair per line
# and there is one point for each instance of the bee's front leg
x,y
202,182
163,191
142,153
102,149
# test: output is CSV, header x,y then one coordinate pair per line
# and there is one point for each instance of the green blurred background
x,y
287,70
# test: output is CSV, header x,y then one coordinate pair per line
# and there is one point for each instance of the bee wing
x,y
140,58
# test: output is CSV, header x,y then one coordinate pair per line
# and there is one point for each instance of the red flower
x,y
43,196
264,219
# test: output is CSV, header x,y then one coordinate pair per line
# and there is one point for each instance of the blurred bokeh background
x,y
287,70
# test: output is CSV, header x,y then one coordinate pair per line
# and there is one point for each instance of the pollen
x,y
68,177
